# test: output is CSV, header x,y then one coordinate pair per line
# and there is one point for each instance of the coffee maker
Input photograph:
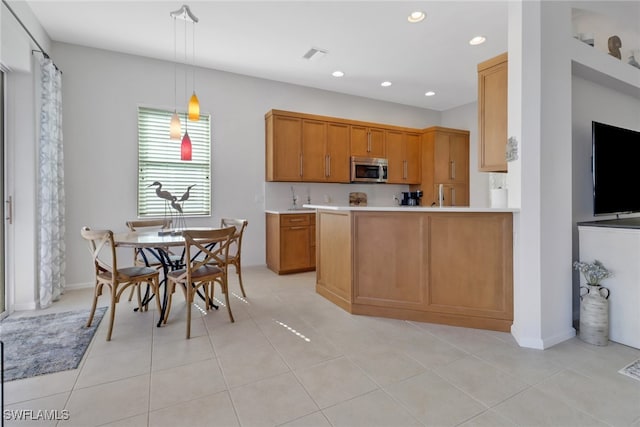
x,y
411,198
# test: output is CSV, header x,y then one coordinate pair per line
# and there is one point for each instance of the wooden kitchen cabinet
x,y
290,242
453,194
367,141
453,268
306,149
445,160
403,154
283,136
492,114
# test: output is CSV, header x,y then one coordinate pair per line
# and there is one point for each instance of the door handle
x,y
9,204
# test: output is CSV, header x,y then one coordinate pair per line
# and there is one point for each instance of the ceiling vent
x,y
314,54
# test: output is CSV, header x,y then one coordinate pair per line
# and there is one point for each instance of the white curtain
x,y
51,248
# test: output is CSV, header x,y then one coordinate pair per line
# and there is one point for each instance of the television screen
x,y
615,169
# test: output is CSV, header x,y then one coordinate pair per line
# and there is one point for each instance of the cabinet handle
x,y
297,228
329,163
405,172
453,169
368,142
301,165
453,196
296,220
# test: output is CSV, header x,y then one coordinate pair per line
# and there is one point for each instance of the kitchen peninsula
x,y
451,265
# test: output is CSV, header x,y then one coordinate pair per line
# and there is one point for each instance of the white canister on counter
x,y
499,197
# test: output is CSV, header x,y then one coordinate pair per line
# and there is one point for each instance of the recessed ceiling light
x,y
430,93
416,16
385,84
477,40
337,73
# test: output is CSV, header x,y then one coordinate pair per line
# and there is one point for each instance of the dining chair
x,y
107,273
152,258
235,246
206,259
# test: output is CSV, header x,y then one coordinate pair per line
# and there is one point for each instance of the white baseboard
x,y
77,286
542,343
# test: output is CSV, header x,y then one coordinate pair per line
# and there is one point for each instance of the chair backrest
x,y
206,247
162,223
235,245
98,241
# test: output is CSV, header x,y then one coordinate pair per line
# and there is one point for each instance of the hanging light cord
x,y
193,62
175,67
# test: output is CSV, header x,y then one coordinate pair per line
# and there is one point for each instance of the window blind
x,y
159,160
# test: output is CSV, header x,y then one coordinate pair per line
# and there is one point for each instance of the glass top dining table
x,y
156,245
153,239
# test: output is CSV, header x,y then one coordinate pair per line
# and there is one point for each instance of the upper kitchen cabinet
x,y
302,147
492,114
337,161
283,136
325,151
403,154
367,141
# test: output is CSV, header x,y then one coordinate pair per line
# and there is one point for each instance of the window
x,y
159,160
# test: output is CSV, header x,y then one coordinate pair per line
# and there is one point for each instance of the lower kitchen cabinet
x,y
291,241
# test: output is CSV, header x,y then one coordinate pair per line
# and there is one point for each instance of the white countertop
x,y
410,208
290,211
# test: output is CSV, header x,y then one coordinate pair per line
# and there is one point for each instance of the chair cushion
x,y
203,271
136,271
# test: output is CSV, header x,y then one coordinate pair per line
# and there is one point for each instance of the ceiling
x,y
370,41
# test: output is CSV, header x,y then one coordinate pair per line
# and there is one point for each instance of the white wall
x,y
101,91
592,102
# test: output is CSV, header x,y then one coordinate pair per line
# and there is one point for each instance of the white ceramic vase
x,y
594,315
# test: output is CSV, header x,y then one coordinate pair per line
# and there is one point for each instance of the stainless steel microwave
x,y
367,169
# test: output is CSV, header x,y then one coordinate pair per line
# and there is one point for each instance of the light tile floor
x,y
294,359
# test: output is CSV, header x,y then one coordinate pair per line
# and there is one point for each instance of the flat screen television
x,y
615,169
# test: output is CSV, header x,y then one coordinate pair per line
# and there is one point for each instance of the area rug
x,y
38,345
632,370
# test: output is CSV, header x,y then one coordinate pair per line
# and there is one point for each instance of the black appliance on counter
x,y
411,198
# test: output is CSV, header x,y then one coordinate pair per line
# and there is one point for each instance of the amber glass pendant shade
x,y
185,147
194,108
174,130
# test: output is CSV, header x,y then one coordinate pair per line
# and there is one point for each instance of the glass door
x,y
4,212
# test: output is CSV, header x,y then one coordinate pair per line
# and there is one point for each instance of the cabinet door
x,y
396,172
359,141
367,142
458,158
377,143
312,245
337,153
412,158
441,158
492,114
314,136
454,194
294,247
287,135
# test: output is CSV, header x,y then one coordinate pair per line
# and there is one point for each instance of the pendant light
x,y
194,106
185,147
174,129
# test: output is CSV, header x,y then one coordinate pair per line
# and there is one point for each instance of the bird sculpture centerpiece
x,y
173,206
